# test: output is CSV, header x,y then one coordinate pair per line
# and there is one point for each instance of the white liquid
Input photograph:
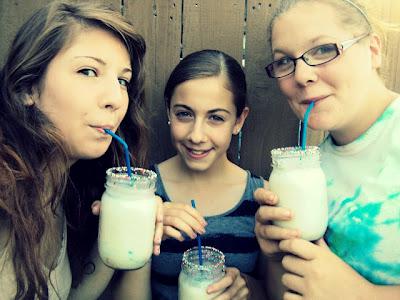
x,y
126,228
303,191
194,289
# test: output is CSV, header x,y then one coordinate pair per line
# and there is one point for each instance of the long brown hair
x,y
34,172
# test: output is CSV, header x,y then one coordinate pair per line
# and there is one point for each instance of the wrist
x,y
254,287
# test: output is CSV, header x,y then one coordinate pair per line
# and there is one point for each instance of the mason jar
x,y
300,184
194,277
127,218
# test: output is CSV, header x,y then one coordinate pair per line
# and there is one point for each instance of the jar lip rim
x,y
122,173
196,266
294,152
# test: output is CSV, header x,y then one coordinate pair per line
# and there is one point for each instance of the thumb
x,y
96,207
321,242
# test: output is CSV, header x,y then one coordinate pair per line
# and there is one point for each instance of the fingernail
x,y
287,213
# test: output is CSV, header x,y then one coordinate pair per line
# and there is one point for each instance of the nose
x,y
198,134
113,95
304,74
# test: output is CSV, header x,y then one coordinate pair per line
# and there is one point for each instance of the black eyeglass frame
x,y
340,47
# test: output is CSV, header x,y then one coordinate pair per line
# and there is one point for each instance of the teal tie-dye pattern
x,y
387,114
394,196
364,199
344,239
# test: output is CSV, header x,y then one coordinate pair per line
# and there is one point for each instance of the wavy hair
x,y
35,177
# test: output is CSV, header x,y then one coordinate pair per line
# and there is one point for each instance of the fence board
x,y
12,15
390,12
159,21
271,122
213,24
219,25
210,24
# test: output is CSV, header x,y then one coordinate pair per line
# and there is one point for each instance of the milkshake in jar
x,y
195,278
300,184
127,218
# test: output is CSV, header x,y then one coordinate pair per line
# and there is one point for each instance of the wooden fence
x,y
175,28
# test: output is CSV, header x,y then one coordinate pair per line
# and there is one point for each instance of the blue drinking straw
x,y
305,125
126,151
198,240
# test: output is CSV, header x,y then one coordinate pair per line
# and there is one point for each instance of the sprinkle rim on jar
x,y
190,259
141,177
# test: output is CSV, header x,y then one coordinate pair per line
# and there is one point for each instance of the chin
x,y
197,167
86,155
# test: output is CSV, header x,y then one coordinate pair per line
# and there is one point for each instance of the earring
x,y
169,122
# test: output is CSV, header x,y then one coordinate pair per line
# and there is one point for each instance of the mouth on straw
x,y
124,145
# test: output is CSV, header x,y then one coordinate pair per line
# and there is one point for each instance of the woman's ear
x,y
375,46
240,121
31,97
168,117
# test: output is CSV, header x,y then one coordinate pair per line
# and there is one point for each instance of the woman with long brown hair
x,y
72,68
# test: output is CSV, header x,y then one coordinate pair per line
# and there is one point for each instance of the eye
x,y
283,62
184,115
123,82
323,51
88,72
216,118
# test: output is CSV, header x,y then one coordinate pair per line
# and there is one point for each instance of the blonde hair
x,y
359,16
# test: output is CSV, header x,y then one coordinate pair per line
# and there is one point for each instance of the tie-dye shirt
x,y
363,180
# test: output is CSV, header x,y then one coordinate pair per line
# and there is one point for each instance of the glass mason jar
x,y
300,184
195,278
127,218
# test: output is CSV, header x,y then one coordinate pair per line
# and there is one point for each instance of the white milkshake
x,y
127,218
195,278
300,184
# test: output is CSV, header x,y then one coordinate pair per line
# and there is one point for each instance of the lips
x,y
101,127
196,153
313,99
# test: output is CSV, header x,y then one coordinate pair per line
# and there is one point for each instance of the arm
x,y
268,236
315,272
93,284
273,277
387,292
134,284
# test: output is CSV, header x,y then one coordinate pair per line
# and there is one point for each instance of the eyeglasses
x,y
314,57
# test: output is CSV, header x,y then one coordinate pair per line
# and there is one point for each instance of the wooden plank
x,y
12,15
271,122
159,21
210,24
389,11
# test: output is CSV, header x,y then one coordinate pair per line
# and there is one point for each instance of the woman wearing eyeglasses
x,y
328,52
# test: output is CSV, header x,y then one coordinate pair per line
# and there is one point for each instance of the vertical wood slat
x,y
210,24
271,123
159,21
12,15
389,11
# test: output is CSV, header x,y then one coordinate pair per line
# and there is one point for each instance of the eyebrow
x,y
314,40
102,62
210,111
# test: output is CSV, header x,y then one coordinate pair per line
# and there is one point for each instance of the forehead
x,y
96,42
208,91
304,23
